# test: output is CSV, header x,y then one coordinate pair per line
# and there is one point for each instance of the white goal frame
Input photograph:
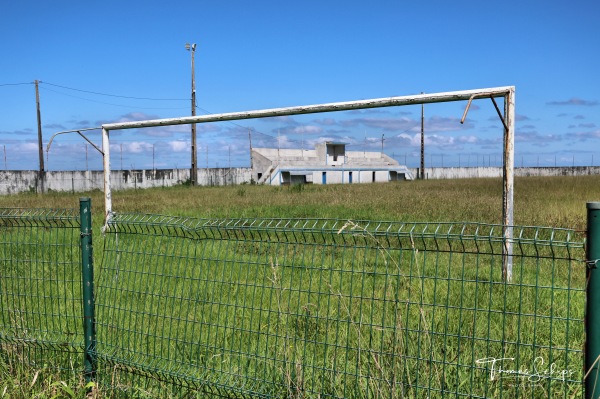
x,y
508,120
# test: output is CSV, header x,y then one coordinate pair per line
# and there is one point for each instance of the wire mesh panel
x,y
340,309
40,287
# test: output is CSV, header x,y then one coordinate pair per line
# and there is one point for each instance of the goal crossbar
x,y
317,108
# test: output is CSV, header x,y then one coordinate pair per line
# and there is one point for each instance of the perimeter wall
x,y
17,181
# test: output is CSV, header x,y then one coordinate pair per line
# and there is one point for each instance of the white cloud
x,y
584,136
137,147
537,139
575,101
445,124
308,130
178,146
468,139
325,121
387,124
26,147
136,116
436,140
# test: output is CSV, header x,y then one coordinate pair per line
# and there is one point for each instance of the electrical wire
x,y
136,107
115,95
16,84
272,137
107,103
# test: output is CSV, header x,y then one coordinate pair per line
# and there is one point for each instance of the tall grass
x,y
539,201
300,322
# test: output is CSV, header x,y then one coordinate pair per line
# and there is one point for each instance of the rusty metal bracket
x,y
499,114
78,132
495,106
467,109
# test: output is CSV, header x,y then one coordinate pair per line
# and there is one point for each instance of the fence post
x,y
87,276
592,311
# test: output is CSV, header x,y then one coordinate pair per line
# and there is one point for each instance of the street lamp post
x,y
194,169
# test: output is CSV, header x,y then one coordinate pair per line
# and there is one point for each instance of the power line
x,y
116,95
16,84
107,103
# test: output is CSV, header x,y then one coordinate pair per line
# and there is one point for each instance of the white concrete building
x,y
328,163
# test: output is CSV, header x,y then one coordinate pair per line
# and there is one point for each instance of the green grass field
x,y
539,201
555,202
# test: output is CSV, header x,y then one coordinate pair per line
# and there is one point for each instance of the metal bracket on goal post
x,y
507,92
78,131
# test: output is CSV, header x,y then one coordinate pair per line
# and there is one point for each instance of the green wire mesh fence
x,y
303,308
340,309
40,287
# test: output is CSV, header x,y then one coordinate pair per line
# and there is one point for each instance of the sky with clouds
x,y
115,61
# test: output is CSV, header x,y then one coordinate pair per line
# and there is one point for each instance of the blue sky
x,y
112,61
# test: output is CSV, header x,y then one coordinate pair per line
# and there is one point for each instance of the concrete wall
x,y
465,173
557,171
17,181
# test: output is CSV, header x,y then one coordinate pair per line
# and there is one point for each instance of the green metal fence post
x,y
592,311
87,275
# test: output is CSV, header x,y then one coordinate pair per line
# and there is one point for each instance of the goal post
x,y
507,93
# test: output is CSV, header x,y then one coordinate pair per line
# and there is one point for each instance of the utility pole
x,y
39,127
382,145
250,141
422,140
194,169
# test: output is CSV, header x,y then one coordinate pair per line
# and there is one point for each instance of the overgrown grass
x,y
298,319
539,201
19,380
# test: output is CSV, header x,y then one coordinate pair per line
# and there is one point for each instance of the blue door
x,y
324,177
350,177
